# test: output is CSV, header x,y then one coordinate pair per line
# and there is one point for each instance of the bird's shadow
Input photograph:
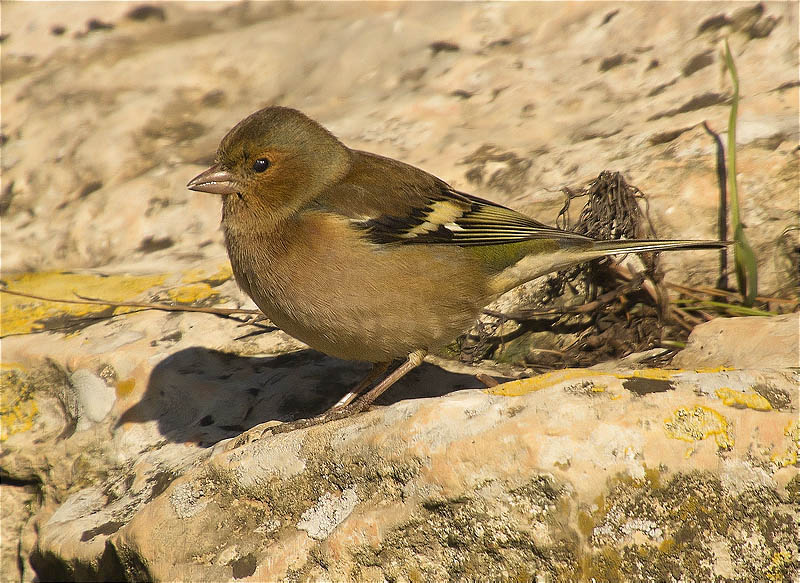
x,y
201,396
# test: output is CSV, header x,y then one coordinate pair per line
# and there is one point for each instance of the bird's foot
x,y
334,414
275,427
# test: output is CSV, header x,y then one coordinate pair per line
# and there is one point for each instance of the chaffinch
x,y
367,258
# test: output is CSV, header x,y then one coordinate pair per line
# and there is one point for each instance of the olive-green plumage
x,y
367,258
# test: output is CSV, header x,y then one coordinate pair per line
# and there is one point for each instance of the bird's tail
x,y
603,248
622,246
535,265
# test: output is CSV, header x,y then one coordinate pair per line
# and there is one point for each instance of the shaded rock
x,y
614,61
443,46
94,24
147,12
697,62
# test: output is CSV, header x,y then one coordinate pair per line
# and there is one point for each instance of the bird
x,y
367,258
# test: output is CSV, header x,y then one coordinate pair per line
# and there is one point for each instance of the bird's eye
x,y
260,165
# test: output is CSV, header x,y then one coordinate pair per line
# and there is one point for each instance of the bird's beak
x,y
214,181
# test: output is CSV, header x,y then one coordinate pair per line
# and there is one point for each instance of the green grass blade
x,y
744,258
733,309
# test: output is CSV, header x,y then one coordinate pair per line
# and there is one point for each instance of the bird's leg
x,y
377,370
339,411
413,361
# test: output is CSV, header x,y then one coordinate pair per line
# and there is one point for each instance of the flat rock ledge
x,y
650,475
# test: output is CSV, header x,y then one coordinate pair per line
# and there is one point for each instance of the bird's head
x,y
274,161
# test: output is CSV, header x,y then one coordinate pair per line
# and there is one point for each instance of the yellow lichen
x,y
11,366
658,374
792,431
784,459
198,283
777,564
191,294
714,369
667,545
200,274
125,388
585,523
741,400
652,475
18,408
542,381
697,424
22,315
791,455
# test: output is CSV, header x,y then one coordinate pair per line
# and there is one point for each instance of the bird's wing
x,y
397,203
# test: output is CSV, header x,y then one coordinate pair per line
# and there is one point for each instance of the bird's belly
x,y
361,303
363,334
381,325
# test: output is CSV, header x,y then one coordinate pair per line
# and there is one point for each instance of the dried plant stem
x,y
146,305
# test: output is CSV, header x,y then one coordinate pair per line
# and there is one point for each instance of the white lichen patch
x,y
328,513
187,500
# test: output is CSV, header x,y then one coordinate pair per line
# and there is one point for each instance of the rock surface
x,y
122,448
568,476
744,343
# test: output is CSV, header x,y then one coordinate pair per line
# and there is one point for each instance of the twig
x,y
684,318
724,293
708,317
605,298
692,293
487,380
646,284
146,305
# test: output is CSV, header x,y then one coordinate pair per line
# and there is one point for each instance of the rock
x,y
95,398
570,475
121,427
749,342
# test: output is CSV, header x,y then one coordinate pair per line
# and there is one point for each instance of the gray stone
x,y
95,397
